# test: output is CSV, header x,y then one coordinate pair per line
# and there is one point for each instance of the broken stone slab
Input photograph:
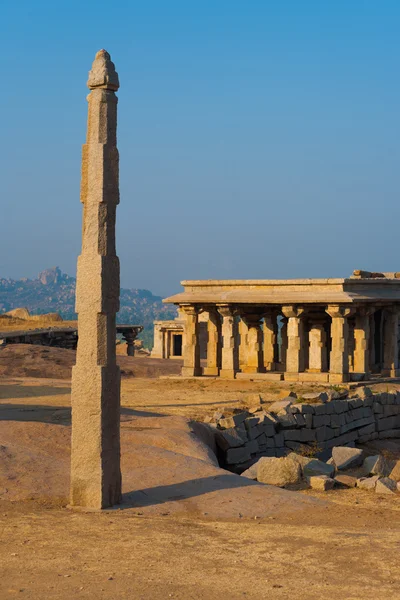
x,y
315,397
322,483
346,480
280,405
367,483
346,458
312,466
286,421
230,438
395,472
278,471
386,486
378,465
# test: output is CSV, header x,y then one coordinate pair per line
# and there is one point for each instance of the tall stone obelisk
x,y
95,453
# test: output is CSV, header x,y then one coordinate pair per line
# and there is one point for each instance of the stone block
x,y
300,420
367,483
320,409
269,430
251,472
292,435
269,419
251,422
367,438
237,455
322,483
293,445
355,403
337,421
233,421
278,471
364,392
313,466
316,397
279,440
346,458
280,405
320,420
252,446
386,486
286,421
306,409
270,442
308,435
308,420
230,438
388,423
377,408
391,410
367,429
346,439
377,465
279,452
390,433
346,480
262,439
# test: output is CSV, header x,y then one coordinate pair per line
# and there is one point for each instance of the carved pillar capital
x,y
189,309
340,311
226,310
292,310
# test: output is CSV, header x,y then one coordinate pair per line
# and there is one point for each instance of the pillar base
x,y
214,371
289,376
227,374
338,377
191,372
391,372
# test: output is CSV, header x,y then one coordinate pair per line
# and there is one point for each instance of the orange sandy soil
x,y
186,528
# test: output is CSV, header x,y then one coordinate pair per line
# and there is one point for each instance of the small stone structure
x,y
326,330
169,337
95,451
292,424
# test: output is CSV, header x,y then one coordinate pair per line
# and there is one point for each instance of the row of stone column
x,y
261,352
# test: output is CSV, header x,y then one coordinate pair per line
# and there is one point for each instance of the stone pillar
x,y
130,337
95,450
361,356
270,341
243,331
255,357
191,350
284,344
213,344
295,349
158,345
339,356
317,354
390,342
229,360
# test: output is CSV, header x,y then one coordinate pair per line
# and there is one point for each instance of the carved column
x,y
243,341
284,344
270,333
191,350
390,342
130,337
229,361
255,360
213,344
339,357
295,349
317,355
361,364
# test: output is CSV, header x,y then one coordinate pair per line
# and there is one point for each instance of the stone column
x,y
361,356
390,342
295,349
243,331
130,337
270,342
284,344
158,345
229,360
213,344
95,450
255,357
339,356
191,350
317,355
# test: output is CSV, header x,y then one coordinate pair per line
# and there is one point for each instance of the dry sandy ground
x,y
186,529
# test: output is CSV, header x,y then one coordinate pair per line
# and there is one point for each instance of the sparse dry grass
x,y
15,324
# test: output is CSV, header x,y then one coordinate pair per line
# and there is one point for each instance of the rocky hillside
x,y
54,291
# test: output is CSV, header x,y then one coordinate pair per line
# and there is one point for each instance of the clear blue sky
x,y
258,139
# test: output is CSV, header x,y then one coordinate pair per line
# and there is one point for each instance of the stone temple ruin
x,y
324,330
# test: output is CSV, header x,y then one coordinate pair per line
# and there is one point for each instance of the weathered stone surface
x,y
395,472
252,446
346,480
386,486
251,472
321,483
280,405
278,471
233,421
95,450
316,397
377,465
345,458
230,438
237,455
312,466
367,483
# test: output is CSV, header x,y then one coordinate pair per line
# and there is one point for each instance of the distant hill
x,y
54,291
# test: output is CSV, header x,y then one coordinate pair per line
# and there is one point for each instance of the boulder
x,y
346,458
278,471
346,480
385,486
367,483
321,483
378,465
